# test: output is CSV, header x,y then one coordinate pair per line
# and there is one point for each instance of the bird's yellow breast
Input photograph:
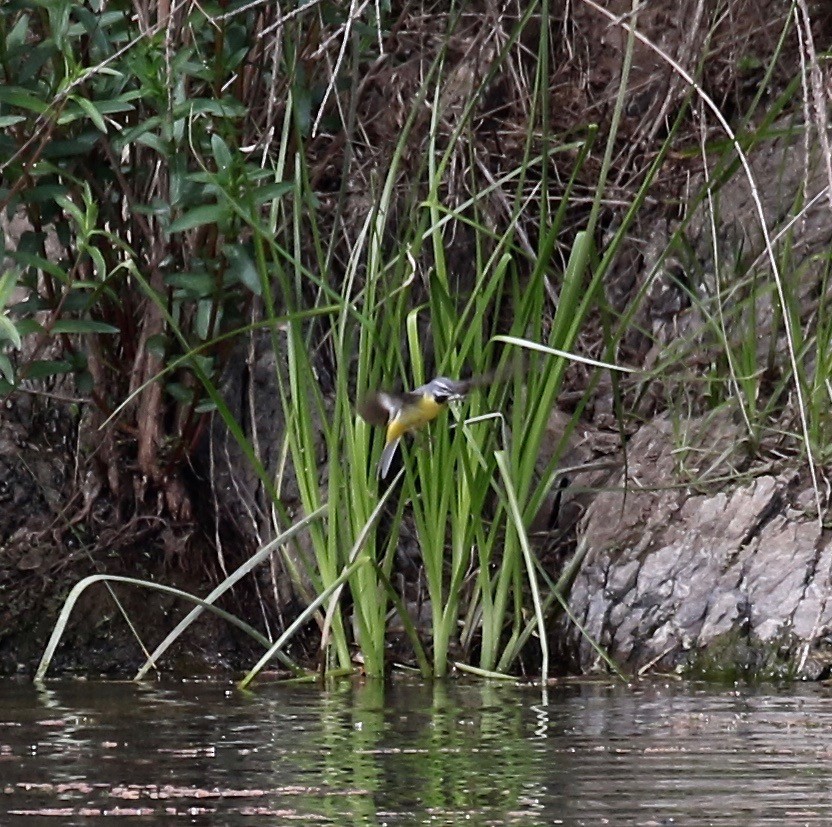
x,y
413,416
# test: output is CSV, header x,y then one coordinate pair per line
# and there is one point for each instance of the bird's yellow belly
x,y
413,417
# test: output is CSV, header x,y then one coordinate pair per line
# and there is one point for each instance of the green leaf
x,y
120,104
94,115
201,177
26,327
41,368
98,262
206,214
180,392
40,263
16,38
270,191
10,332
8,282
152,140
203,363
222,154
81,144
82,326
193,285
255,173
226,108
241,267
43,193
15,96
72,209
6,368
33,59
203,318
80,108
76,300
135,132
157,345
10,120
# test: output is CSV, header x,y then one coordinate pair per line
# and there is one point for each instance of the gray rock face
x,y
670,571
702,555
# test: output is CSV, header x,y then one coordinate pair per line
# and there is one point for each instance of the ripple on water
x,y
79,751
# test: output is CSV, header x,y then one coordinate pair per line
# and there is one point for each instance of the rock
x,y
671,571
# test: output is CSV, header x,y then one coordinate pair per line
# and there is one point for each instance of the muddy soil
x,y
60,525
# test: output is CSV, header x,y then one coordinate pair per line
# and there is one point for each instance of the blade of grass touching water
x,y
557,592
359,544
528,557
241,571
79,588
293,627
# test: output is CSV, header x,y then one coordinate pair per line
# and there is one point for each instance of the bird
x,y
403,412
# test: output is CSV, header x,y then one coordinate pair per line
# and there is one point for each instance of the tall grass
x,y
474,573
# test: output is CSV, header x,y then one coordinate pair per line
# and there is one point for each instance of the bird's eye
x,y
441,398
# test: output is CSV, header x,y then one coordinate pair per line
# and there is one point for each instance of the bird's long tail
x,y
387,457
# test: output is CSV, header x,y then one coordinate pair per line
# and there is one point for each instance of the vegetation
x,y
376,195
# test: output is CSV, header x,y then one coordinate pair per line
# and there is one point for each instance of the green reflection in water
x,y
440,748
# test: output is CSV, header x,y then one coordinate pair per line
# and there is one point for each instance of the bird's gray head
x,y
442,389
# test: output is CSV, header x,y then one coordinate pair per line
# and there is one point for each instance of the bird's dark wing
x,y
375,408
378,407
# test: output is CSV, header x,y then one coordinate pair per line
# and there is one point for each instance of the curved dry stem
x,y
250,564
79,588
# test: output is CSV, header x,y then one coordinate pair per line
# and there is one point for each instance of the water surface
x,y
85,752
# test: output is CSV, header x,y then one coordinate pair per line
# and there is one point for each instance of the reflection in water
x,y
361,753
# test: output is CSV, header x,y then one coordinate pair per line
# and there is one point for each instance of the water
x,y
82,752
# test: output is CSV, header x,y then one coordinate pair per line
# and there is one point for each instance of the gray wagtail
x,y
407,411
